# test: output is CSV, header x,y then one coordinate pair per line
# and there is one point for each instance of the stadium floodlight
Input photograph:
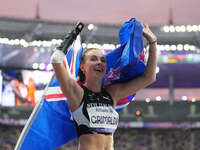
x,y
193,99
35,66
158,98
42,66
147,99
91,27
184,98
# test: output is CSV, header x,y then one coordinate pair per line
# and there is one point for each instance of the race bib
x,y
103,117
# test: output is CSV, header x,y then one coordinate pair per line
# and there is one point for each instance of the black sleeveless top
x,y
96,114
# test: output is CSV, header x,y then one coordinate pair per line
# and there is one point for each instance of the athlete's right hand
x,y
57,56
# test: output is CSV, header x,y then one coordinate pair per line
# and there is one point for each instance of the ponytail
x,y
81,76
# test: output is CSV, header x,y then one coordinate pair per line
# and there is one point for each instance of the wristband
x,y
153,42
57,57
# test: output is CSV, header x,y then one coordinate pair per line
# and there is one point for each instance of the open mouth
x,y
99,69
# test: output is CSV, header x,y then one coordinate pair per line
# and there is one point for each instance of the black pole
x,y
171,89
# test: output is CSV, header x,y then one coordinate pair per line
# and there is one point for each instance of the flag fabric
x,y
50,125
127,61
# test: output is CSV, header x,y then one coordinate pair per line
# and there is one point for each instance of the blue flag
x,y
127,61
50,125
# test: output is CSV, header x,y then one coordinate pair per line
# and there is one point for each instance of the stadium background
x,y
165,115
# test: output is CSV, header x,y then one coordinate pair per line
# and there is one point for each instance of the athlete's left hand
x,y
148,34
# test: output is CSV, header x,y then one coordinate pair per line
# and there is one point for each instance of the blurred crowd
x,y
157,139
9,136
125,139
